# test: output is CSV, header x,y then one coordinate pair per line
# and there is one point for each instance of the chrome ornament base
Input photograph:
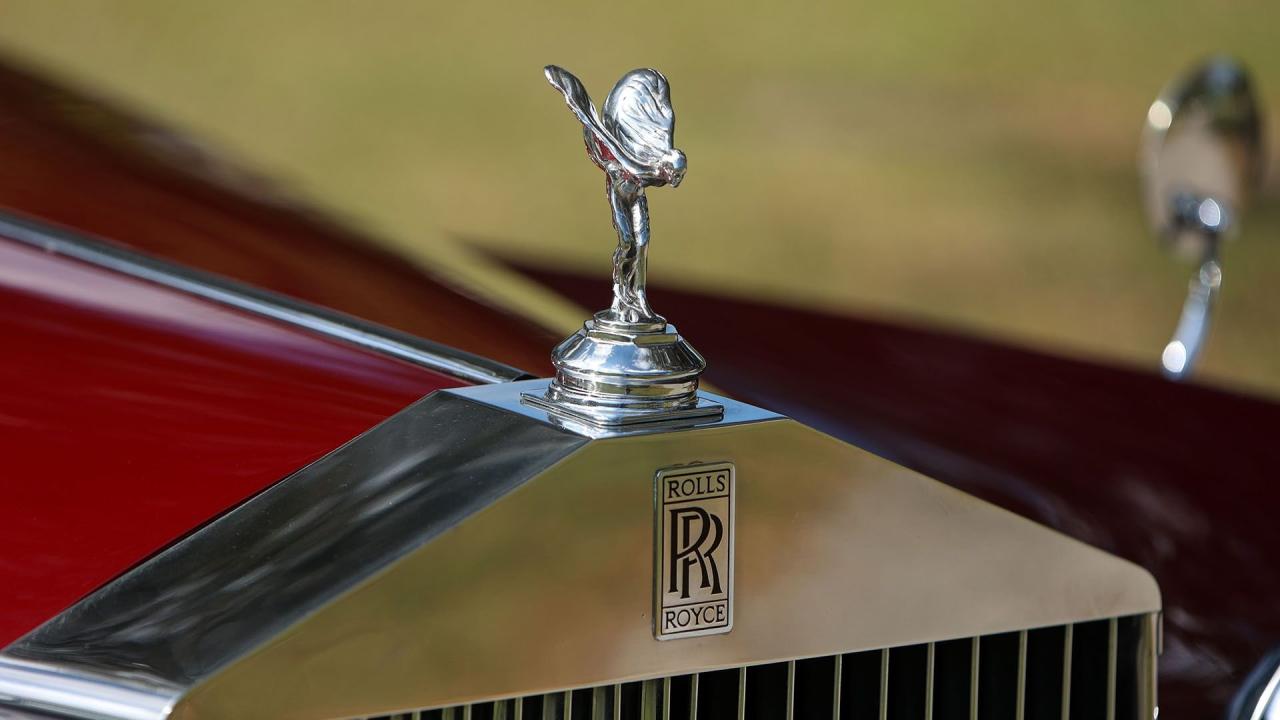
x,y
627,366
613,374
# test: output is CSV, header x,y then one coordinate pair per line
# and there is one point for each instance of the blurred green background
x,y
943,163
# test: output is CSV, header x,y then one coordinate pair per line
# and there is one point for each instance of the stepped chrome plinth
x,y
613,373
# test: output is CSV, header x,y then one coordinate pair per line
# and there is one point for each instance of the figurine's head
x,y
672,167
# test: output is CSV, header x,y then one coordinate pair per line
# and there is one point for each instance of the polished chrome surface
x,y
1022,676
884,684
19,714
1201,161
1112,664
495,552
627,364
633,146
248,298
975,664
55,688
729,412
1178,359
1068,643
1148,697
1259,696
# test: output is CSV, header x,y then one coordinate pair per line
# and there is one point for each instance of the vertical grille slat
x,y
693,697
1149,650
791,690
1112,650
928,682
742,694
666,698
600,703
1020,709
551,706
974,669
837,685
1084,671
883,714
649,699
1068,643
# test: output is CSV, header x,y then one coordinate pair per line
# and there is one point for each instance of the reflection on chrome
x,y
1201,160
1159,116
1174,357
1259,696
1180,354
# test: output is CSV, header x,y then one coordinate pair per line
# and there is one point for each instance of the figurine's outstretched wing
x,y
575,96
638,115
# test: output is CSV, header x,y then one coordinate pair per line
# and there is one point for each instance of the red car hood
x,y
131,413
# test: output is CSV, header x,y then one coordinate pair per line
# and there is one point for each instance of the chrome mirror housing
x,y
1201,161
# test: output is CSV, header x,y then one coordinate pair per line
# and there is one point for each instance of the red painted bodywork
x,y
1176,477
131,413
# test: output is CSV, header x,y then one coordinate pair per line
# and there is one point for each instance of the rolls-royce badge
x,y
627,365
693,563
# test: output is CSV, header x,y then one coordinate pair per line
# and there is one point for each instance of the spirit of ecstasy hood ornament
x,y
627,365
633,145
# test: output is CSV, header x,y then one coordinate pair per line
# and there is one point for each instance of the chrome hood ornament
x,y
627,365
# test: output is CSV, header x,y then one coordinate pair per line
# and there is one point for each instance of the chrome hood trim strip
x,y
248,298
40,688
241,580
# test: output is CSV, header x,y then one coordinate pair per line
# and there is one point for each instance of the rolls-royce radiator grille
x,y
1101,670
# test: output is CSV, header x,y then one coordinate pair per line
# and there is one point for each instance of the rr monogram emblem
x,y
694,551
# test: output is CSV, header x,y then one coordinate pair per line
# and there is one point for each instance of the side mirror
x,y
1201,161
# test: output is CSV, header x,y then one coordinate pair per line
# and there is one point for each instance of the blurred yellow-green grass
x,y
954,164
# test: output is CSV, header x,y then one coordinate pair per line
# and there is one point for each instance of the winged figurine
x,y
632,143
